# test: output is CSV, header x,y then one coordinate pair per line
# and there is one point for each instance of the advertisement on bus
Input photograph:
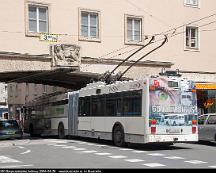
x,y
173,106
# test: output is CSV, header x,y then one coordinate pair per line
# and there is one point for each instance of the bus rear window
x,y
172,84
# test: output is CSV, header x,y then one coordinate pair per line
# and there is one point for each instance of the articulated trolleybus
x,y
152,110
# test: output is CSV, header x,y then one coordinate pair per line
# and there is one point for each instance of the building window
x,y
192,35
16,90
193,3
27,89
38,21
134,29
10,90
89,25
35,89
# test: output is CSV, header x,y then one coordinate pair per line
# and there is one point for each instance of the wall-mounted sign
x,y
206,86
48,37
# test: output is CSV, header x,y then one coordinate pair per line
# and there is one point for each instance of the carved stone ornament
x,y
65,55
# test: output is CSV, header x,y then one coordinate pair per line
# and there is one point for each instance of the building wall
x,y
158,16
20,94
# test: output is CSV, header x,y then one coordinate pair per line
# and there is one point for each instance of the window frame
x,y
98,29
133,17
189,48
37,5
192,5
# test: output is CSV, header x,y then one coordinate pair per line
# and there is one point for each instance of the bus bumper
x,y
171,138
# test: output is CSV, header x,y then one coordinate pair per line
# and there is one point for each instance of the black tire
x,y
61,131
31,131
118,136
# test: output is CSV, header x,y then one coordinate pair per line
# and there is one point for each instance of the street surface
x,y
82,153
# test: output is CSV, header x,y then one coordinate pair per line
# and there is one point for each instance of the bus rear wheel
x,y
61,131
118,136
31,131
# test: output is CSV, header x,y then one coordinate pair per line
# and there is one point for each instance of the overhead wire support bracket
x,y
165,40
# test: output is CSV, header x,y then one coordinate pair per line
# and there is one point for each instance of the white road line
x,y
60,145
195,162
79,149
28,151
90,144
101,145
103,154
174,158
154,165
90,151
69,147
156,154
82,142
126,149
21,147
118,157
139,151
134,160
15,166
4,159
212,166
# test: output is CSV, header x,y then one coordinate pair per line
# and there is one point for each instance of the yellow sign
x,y
206,86
48,37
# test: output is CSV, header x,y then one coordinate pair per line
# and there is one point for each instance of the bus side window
x,y
84,106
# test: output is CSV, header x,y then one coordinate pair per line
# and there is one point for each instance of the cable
x,y
165,40
141,9
106,78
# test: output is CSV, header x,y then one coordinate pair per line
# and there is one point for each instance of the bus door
x,y
73,113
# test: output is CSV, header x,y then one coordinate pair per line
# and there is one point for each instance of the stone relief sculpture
x,y
66,55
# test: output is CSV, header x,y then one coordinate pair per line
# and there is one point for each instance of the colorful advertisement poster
x,y
173,104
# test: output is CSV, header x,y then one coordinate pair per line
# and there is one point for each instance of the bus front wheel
x,y
61,131
118,136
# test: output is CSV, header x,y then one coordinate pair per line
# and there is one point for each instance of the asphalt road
x,y
84,154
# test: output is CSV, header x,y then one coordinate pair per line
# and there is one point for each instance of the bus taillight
x,y
194,126
153,126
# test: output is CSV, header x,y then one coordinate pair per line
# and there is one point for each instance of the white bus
x,y
124,112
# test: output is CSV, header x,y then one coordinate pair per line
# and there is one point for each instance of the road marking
x,y
156,154
212,166
139,151
15,166
101,145
21,147
79,149
90,144
82,142
60,145
126,149
4,159
103,154
153,165
118,157
174,158
28,151
195,162
69,147
90,151
134,160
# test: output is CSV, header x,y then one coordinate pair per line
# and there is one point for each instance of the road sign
x,y
48,37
